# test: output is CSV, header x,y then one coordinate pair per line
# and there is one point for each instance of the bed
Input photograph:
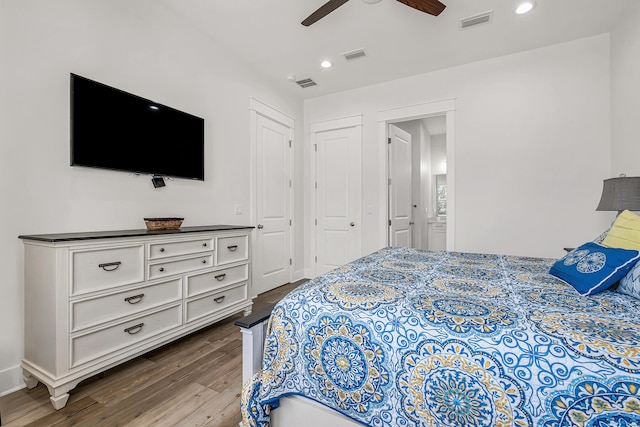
x,y
406,337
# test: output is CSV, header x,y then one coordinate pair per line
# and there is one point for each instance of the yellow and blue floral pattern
x,y
406,337
358,294
280,350
463,316
346,364
448,384
596,337
595,402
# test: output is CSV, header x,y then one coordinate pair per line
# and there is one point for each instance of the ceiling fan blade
x,y
323,11
432,7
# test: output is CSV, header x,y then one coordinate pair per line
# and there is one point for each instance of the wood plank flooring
x,y
194,381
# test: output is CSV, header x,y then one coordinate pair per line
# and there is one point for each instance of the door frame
x,y
257,107
314,128
444,107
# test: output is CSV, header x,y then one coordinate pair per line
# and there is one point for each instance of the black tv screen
x,y
113,129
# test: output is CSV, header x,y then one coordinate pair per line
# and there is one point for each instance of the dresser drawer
x,y
170,268
232,249
93,270
85,348
102,309
169,249
205,282
209,304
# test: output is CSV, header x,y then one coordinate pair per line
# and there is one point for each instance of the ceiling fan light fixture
x,y
525,7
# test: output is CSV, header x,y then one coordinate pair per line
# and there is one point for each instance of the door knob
x,y
260,226
353,224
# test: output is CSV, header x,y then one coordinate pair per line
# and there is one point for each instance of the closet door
x,y
338,197
272,251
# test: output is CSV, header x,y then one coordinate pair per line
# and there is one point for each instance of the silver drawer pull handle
x,y
134,299
134,329
232,248
219,299
161,249
161,269
220,277
110,266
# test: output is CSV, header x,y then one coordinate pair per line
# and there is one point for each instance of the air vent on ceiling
x,y
355,54
304,83
480,18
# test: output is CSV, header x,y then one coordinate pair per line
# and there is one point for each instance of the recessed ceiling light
x,y
326,64
525,7
372,1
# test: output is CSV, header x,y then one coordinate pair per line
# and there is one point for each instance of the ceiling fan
x,y
432,7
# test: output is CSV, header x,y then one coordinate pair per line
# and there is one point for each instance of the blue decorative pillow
x,y
592,268
630,284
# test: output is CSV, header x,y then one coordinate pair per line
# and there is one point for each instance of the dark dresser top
x,y
91,235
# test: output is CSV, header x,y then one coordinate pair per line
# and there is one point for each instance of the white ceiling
x,y
400,41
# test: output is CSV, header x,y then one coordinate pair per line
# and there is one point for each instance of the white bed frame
x,y
294,411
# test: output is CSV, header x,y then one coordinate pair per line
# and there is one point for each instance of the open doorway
x,y
432,184
418,183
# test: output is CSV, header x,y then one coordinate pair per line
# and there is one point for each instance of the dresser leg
x,y
29,379
60,395
59,402
247,311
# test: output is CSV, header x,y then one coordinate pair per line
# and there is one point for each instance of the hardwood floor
x,y
195,381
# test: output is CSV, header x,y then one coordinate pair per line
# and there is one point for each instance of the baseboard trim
x,y
297,275
11,380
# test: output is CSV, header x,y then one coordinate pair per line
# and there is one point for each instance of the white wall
x,y
438,154
625,93
137,46
532,145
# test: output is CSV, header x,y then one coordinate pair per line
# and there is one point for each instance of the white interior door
x,y
400,184
338,197
272,254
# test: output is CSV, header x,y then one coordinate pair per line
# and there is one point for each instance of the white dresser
x,y
95,300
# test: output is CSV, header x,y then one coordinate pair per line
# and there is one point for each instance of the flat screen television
x,y
113,129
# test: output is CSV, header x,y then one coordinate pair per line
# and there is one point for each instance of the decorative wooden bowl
x,y
154,224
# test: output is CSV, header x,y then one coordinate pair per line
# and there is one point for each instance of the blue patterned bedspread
x,y
406,337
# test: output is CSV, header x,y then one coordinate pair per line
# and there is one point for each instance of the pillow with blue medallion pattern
x,y
592,268
630,284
